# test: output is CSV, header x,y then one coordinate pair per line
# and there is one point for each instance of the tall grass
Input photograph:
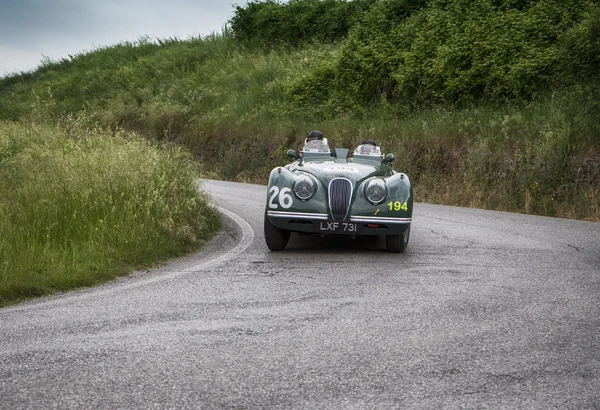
x,y
539,159
79,207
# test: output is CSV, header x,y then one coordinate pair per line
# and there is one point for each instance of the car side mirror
x,y
389,158
292,154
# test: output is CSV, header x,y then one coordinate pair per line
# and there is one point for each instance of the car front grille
x,y
340,194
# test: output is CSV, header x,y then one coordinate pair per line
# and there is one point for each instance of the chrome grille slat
x,y
340,194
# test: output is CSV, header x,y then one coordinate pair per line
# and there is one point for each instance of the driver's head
x,y
369,142
314,135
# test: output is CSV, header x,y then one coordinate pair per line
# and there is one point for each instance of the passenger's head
x,y
368,147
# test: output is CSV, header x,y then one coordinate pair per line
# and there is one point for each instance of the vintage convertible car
x,y
325,193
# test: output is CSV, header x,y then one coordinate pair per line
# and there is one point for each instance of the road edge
x,y
242,234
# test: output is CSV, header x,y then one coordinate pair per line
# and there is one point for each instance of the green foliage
x,y
465,52
494,144
79,207
579,51
297,22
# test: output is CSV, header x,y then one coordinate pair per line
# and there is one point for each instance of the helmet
x,y
314,135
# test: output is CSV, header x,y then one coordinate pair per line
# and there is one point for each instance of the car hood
x,y
355,171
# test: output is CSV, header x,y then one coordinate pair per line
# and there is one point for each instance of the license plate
x,y
338,227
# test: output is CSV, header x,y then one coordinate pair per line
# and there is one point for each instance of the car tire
x,y
397,243
276,238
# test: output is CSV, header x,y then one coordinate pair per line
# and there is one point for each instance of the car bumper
x,y
323,224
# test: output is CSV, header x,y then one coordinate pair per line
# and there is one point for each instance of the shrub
x,y
297,22
465,52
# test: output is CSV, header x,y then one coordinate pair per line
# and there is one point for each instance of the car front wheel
x,y
276,238
397,243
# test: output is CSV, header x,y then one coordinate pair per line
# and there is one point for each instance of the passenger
x,y
368,147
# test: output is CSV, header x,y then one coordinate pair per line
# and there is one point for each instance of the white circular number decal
x,y
285,199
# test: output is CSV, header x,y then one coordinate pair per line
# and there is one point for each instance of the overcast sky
x,y
31,29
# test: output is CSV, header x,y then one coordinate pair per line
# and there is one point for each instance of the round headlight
x,y
304,188
376,191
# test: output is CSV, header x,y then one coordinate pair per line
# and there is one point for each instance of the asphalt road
x,y
484,310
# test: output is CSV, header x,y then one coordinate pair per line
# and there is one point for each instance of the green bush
x,y
297,22
464,52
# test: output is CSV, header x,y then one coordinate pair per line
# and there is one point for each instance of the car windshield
x,y
316,146
368,149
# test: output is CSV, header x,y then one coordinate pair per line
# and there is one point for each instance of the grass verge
x,y
79,207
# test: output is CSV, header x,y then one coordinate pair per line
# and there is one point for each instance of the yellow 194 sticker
x,y
398,206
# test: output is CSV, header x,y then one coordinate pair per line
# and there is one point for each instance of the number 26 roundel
x,y
284,198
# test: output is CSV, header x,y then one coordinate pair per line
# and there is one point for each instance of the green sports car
x,y
326,193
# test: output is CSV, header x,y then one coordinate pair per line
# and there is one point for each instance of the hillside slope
x,y
490,103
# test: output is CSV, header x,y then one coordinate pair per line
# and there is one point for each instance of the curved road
x,y
484,310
